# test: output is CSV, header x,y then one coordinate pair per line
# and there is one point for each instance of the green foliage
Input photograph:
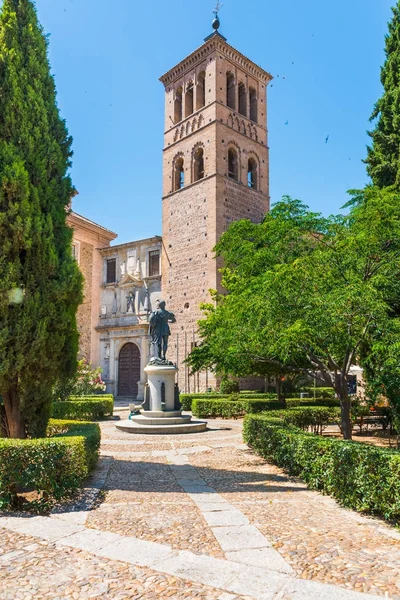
x,y
305,292
383,160
228,385
359,476
228,409
38,338
84,409
187,399
54,467
314,418
85,382
320,392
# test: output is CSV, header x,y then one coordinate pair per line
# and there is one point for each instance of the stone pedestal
x,y
162,416
159,377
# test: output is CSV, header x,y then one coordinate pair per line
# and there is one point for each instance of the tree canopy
x,y
38,338
303,292
383,160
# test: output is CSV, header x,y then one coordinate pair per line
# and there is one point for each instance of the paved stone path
x,y
201,517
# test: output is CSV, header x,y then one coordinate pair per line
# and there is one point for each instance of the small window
x,y
111,270
230,91
253,105
252,174
178,105
154,263
75,252
242,100
233,164
198,164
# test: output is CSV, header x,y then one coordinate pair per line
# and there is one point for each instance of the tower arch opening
x,y
233,164
178,105
242,99
201,90
198,164
253,105
179,174
230,90
252,173
189,99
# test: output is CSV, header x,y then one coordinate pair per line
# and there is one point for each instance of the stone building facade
x,y
215,171
88,239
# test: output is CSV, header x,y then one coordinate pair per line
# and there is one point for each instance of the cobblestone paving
x,y
32,570
321,541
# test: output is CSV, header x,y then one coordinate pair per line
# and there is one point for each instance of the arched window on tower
x,y
233,164
242,99
201,91
253,105
230,90
178,105
189,99
198,164
179,174
252,174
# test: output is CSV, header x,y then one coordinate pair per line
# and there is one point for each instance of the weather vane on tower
x,y
216,23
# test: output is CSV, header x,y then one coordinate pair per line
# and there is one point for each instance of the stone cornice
x,y
215,44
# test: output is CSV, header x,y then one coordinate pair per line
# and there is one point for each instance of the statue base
x,y
163,416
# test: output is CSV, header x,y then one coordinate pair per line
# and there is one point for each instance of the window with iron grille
x,y
111,270
154,262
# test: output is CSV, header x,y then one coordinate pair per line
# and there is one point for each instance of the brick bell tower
x,y
215,171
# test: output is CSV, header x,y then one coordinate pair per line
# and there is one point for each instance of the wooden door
x,y
129,371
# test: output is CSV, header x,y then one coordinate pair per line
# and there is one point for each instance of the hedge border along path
x,y
225,408
89,408
54,467
359,476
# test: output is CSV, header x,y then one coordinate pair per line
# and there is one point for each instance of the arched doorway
x,y
128,370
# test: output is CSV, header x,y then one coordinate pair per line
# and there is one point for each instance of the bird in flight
x,y
326,139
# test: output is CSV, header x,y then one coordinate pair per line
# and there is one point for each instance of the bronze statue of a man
x,y
160,331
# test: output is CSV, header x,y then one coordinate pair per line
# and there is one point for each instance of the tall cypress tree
x,y
383,160
38,338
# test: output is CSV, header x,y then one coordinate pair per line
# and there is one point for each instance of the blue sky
x,y
107,58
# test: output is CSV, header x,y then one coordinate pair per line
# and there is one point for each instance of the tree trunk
x,y
12,405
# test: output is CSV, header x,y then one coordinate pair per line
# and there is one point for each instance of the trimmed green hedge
x,y
91,397
234,408
311,417
228,409
84,409
365,478
54,467
187,399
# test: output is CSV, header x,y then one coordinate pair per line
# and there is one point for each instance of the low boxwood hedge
x,y
91,397
187,399
363,477
53,467
316,418
228,409
84,409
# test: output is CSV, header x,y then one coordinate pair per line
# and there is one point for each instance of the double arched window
x,y
189,96
253,105
242,99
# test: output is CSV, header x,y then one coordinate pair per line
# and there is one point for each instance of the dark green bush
x,y
365,478
95,397
54,467
83,410
328,402
320,392
229,386
226,409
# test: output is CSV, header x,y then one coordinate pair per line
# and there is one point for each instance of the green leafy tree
x,y
38,337
304,292
383,160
